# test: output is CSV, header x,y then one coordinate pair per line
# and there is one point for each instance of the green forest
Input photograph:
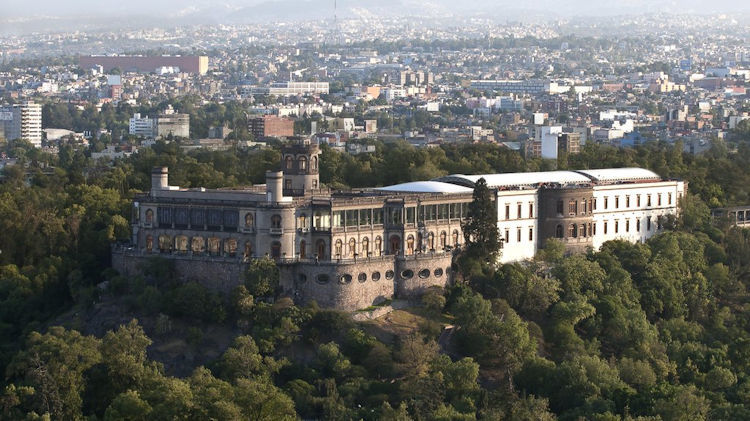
x,y
654,331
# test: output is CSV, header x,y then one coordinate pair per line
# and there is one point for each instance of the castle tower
x,y
300,163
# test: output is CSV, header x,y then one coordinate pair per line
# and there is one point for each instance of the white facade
x,y
631,211
142,127
23,121
628,203
550,136
517,223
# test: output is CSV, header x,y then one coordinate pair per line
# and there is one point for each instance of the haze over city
x,y
356,210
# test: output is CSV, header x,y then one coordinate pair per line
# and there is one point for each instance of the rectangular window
x,y
593,229
627,225
431,212
531,210
410,215
638,200
638,225
669,198
648,224
572,205
606,202
377,216
518,236
593,208
648,200
531,234
507,235
443,212
352,218
605,227
627,201
365,216
559,207
453,213
617,202
585,206
507,211
519,211
617,226
658,199
338,219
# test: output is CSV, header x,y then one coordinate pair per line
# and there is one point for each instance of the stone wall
x,y
217,274
426,270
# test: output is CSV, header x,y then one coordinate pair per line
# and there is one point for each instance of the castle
x,y
351,249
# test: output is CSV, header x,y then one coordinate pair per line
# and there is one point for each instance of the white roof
x,y
519,178
620,174
426,187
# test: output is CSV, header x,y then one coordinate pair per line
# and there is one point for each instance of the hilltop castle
x,y
352,249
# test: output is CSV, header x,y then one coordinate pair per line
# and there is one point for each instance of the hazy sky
x,y
177,8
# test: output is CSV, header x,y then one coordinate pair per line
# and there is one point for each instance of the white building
x,y
582,208
142,126
549,138
23,121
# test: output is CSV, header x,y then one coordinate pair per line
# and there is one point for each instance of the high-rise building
x,y
23,121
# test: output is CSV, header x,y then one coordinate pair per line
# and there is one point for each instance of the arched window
x,y
249,220
431,241
276,221
165,243
352,247
289,162
339,248
302,163
276,250
149,216
302,249
248,253
455,238
314,163
198,245
420,243
410,245
302,221
320,246
230,247
559,231
378,246
443,240
395,244
365,247
214,246
181,243
149,243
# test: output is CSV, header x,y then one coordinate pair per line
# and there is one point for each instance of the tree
x,y
480,228
262,277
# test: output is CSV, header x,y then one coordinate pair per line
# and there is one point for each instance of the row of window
x,y
198,218
413,245
398,216
519,210
587,230
519,236
301,163
637,202
346,278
